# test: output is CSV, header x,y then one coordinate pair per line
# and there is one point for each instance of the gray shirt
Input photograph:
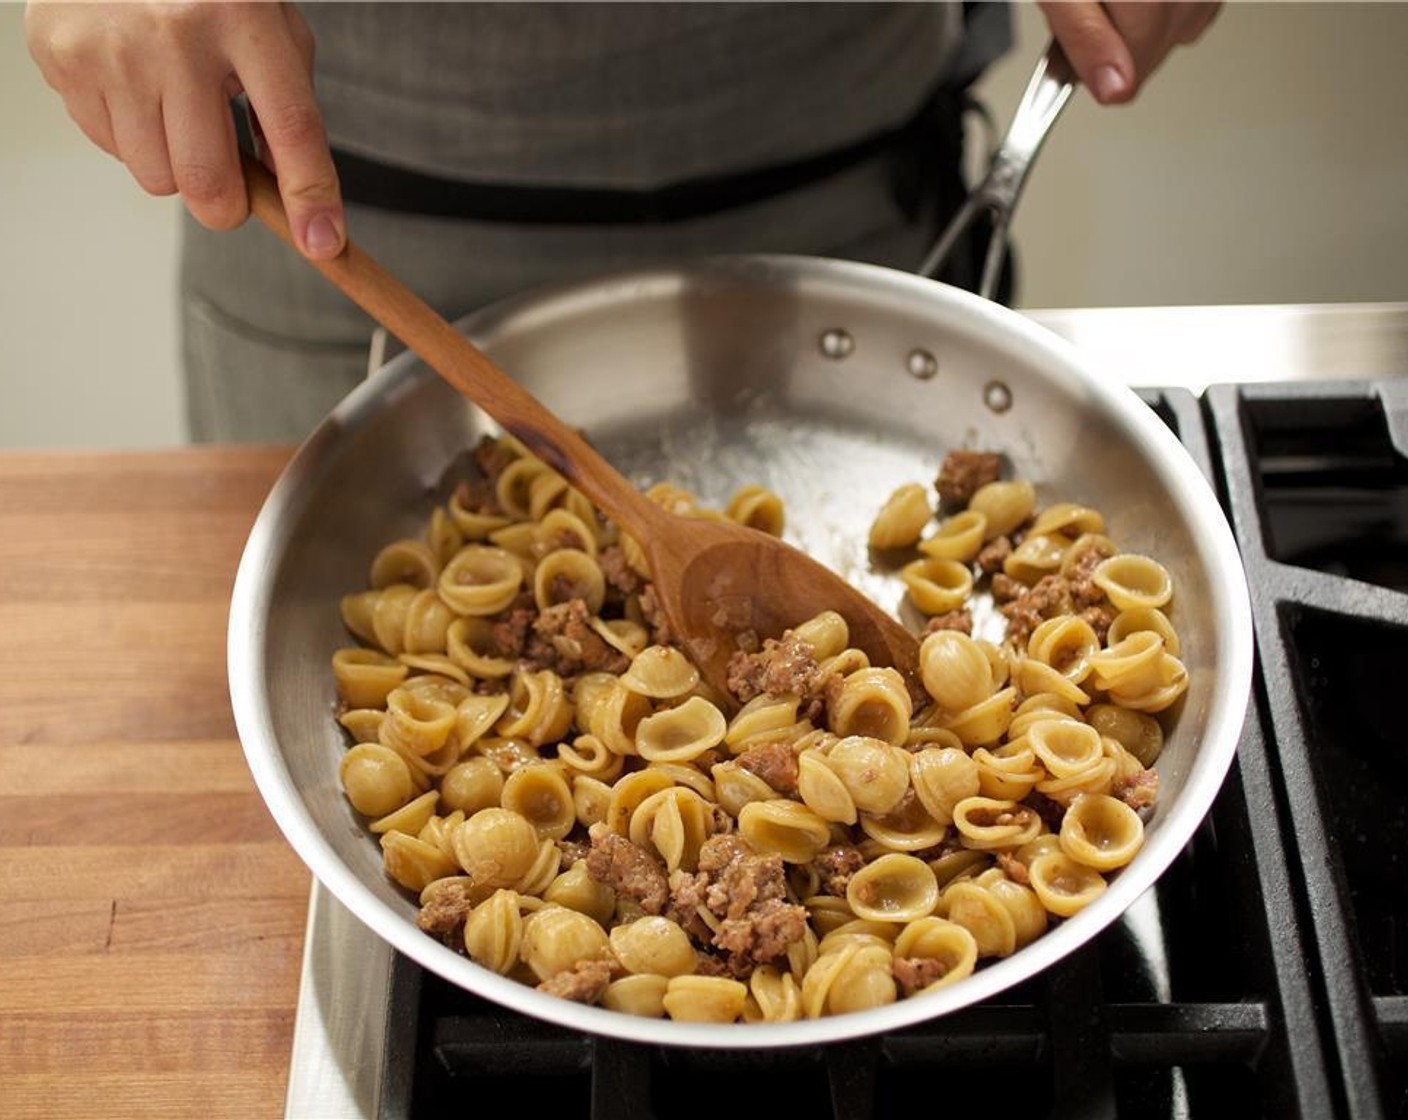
x,y
636,95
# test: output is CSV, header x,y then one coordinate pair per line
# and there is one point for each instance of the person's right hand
x,y
151,84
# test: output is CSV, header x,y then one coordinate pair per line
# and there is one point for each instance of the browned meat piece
x,y
1099,617
1084,592
584,982
962,621
745,894
491,456
1005,588
835,866
709,964
510,633
1047,598
775,763
1013,868
914,974
478,496
654,616
992,554
572,851
786,667
618,571
762,936
963,472
564,642
632,872
446,913
1139,791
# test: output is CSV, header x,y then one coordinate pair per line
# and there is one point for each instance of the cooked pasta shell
x,y
472,525
865,981
893,888
1139,733
363,724
738,787
1171,683
628,794
427,624
786,827
406,561
543,871
1096,779
1066,747
673,823
474,784
985,722
496,847
480,580
621,634
827,634
375,779
776,996
761,716
356,610
1038,555
963,863
588,755
1101,832
987,823
592,798
653,945
661,673
389,612
873,703
1133,665
681,733
1143,618
1036,677
555,939
937,586
1069,519
566,574
512,487
493,935
902,518
637,995
943,941
1005,504
1066,643
704,999
959,537
411,862
443,536
980,912
365,677
1038,707
546,491
822,791
1130,580
1064,886
577,890
942,777
819,978
758,508
420,722
1029,916
875,774
539,709
955,669
691,777
1007,774
410,818
470,645
540,794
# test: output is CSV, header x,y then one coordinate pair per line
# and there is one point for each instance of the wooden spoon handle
x,y
461,363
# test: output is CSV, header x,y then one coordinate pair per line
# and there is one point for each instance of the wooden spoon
x,y
713,579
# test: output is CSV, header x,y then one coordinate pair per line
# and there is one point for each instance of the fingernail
x,y
1108,84
323,238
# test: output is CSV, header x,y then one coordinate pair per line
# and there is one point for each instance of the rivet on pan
x,y
837,343
921,364
997,396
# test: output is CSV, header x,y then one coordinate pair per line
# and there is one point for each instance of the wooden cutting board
x,y
151,915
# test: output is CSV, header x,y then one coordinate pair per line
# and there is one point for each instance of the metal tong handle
x,y
1046,95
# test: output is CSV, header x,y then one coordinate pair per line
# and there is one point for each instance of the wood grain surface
x,y
151,915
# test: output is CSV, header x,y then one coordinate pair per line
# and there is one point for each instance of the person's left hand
x,y
1114,47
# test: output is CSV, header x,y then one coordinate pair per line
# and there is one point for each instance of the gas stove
x,y
1266,974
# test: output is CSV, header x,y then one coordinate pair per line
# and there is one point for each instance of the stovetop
x,y
1266,974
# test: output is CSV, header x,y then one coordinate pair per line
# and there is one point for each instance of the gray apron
x,y
541,143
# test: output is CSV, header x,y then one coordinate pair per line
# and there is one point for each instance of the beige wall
x,y
1267,164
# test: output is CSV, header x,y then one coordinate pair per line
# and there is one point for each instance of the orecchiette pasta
x,y
574,807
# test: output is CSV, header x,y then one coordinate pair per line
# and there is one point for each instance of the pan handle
x,y
1046,95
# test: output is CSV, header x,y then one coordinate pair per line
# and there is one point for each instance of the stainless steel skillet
x,y
827,381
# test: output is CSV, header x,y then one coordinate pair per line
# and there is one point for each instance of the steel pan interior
x,y
715,374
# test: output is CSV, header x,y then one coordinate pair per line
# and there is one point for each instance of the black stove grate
x,y
1236,987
